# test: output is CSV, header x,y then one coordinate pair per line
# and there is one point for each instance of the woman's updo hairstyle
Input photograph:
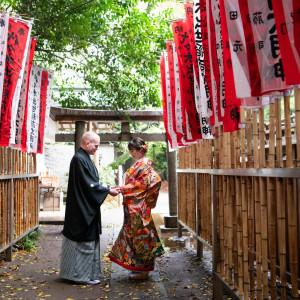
x,y
137,144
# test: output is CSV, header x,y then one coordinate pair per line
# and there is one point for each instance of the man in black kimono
x,y
80,257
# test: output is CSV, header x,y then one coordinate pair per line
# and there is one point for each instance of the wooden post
x,y
79,132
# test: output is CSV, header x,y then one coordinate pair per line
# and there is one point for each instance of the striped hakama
x,y
80,261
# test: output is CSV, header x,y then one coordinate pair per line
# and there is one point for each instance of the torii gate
x,y
81,116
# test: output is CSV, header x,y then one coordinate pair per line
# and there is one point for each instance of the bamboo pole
x,y
293,236
272,136
272,234
217,149
288,132
243,139
226,223
249,138
245,237
255,140
1,213
221,149
237,149
264,234
5,212
279,155
234,237
281,237
239,236
258,239
221,217
262,139
250,198
297,113
230,193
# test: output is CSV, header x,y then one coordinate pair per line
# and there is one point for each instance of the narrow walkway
x,y
179,274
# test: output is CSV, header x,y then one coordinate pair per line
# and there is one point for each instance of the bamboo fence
x,y
18,196
250,182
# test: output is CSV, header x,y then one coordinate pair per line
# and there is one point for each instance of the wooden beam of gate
x,y
68,114
116,137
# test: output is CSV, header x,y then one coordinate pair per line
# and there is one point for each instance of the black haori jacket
x,y
84,196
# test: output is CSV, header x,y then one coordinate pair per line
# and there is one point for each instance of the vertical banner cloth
x,y
203,86
42,112
283,13
238,49
25,95
49,97
206,131
266,47
15,104
22,108
181,39
164,94
16,44
4,20
230,93
33,108
173,136
179,116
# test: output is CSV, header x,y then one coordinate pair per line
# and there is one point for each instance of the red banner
x,y
172,81
231,118
181,38
230,94
42,115
24,127
296,23
284,25
164,95
190,23
16,44
206,53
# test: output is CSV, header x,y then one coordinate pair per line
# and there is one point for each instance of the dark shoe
x,y
138,276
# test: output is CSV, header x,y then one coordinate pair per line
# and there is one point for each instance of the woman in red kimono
x,y
138,243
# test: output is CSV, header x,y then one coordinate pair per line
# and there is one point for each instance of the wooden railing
x,y
239,195
19,197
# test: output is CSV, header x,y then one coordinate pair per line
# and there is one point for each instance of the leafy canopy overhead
x,y
110,47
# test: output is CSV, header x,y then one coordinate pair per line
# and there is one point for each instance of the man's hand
x,y
114,191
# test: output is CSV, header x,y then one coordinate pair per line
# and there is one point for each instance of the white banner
x,y
33,108
204,89
238,48
266,43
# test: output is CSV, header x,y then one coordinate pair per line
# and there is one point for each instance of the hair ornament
x,y
145,147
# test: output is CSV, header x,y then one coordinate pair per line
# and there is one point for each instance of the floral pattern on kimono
x,y
138,243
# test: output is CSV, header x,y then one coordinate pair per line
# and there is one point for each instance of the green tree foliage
x,y
112,46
